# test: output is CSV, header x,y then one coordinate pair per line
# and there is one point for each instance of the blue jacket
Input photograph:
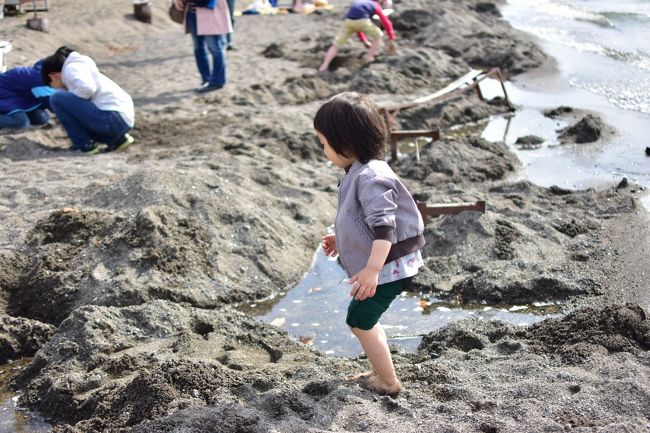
x,y
361,9
22,89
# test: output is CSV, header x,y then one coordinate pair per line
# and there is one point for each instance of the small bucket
x,y
38,23
142,11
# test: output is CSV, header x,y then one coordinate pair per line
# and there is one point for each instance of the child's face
x,y
337,160
55,80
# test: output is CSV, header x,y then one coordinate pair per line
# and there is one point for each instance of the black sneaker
x,y
208,87
126,142
92,150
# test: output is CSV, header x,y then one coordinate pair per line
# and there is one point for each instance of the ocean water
x,y
603,65
616,33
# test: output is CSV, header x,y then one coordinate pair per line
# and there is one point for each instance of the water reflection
x,y
314,312
14,418
574,166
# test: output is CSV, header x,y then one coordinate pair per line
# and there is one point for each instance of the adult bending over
x,y
91,107
208,21
23,97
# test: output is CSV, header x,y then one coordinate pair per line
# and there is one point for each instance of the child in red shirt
x,y
359,20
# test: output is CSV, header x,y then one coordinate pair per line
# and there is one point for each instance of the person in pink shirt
x,y
208,21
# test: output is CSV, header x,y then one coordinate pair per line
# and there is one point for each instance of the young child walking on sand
x,y
378,229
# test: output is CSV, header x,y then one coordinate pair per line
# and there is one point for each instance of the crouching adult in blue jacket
x,y
23,97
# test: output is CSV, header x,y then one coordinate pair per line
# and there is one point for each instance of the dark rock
x,y
623,183
559,191
485,7
273,51
587,130
529,142
555,112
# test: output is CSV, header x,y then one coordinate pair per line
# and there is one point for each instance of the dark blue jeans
x,y
216,45
23,119
231,6
85,123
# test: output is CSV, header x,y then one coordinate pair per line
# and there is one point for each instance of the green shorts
x,y
365,314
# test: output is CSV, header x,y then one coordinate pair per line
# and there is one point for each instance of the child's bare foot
x,y
375,384
359,376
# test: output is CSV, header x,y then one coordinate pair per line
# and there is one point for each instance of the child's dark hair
x,y
54,63
353,126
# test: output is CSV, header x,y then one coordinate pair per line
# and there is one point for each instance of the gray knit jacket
x,y
374,204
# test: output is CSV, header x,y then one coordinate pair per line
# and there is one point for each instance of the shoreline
x,y
613,159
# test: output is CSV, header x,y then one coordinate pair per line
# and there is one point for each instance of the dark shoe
x,y
121,145
208,87
231,48
92,150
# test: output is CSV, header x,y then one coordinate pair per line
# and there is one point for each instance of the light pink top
x,y
212,21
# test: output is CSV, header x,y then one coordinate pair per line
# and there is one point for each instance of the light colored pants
x,y
350,27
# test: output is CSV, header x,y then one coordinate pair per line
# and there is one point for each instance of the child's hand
x,y
364,284
392,48
329,245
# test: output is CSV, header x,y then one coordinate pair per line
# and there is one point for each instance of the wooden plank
x,y
435,210
457,84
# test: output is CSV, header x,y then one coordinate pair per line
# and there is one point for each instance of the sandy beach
x,y
121,274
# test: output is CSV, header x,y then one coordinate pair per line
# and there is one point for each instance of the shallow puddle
x,y
573,166
314,312
12,417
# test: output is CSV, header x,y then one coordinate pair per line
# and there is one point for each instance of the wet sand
x,y
124,268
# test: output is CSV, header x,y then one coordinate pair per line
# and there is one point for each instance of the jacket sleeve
x,y
377,196
78,78
385,22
